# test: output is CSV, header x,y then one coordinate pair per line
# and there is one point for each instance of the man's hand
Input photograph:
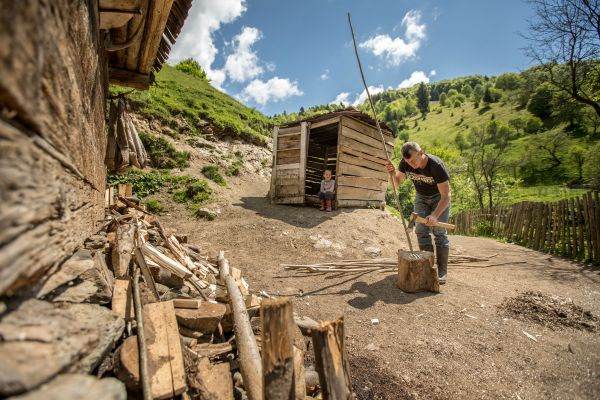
x,y
431,220
390,168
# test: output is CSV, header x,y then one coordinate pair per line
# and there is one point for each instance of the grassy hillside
x,y
186,103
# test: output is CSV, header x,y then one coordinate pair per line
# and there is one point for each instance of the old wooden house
x,y
346,142
56,60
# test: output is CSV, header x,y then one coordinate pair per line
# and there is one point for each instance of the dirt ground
x,y
458,344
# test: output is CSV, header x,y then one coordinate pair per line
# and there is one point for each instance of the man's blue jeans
x,y
424,206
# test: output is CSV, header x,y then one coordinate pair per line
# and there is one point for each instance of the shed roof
x,y
150,27
349,112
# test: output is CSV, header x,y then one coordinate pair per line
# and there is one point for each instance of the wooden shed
x,y
347,143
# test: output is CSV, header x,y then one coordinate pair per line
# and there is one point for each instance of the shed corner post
x,y
304,126
274,165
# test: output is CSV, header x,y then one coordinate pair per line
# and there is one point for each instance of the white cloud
x,y
325,74
275,89
432,72
413,79
196,39
397,50
343,98
363,95
243,63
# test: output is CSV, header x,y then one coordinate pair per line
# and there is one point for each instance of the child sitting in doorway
x,y
327,191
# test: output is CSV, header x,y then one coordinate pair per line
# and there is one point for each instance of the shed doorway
x,y
322,154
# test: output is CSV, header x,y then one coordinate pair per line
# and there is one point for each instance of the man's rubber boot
x,y
426,247
442,254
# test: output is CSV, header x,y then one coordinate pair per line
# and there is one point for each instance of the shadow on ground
x,y
296,215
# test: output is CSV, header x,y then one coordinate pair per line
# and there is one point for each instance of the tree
x,y
443,98
540,103
518,123
577,155
302,111
533,125
485,160
460,142
508,81
564,38
591,167
191,67
487,96
423,99
466,90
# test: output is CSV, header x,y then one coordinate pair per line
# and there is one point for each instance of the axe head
x,y
411,221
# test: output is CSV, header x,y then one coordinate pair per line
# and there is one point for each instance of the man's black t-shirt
x,y
427,178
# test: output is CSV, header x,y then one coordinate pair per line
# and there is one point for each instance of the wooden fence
x,y
569,228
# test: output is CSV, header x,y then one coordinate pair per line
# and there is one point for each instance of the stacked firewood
x,y
124,147
193,327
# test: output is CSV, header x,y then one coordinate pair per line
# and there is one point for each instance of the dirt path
x,y
454,345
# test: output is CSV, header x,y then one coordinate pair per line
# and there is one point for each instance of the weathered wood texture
x,y
52,90
277,337
331,361
569,228
417,272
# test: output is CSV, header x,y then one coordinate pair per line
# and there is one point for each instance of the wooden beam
x,y
277,337
303,154
331,362
123,77
153,32
329,121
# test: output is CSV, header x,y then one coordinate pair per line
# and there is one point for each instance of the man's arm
x,y
444,202
399,176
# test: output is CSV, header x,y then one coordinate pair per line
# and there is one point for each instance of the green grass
x,y
440,128
154,206
175,94
162,153
212,173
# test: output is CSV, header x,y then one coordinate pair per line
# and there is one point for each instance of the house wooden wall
x,y
361,174
52,97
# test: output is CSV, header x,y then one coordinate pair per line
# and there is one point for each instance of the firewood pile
x,y
184,324
124,147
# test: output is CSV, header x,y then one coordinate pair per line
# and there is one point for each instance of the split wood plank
x,y
122,249
277,338
361,203
328,121
361,162
121,300
354,193
134,50
165,364
303,147
292,130
367,129
274,171
331,361
362,138
361,182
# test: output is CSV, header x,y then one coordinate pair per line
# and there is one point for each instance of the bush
x,y
533,125
154,206
483,228
162,153
191,67
591,167
196,192
212,173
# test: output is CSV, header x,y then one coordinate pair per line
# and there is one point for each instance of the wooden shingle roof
x,y
142,33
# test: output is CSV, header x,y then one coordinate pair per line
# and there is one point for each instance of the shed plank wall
x,y
52,139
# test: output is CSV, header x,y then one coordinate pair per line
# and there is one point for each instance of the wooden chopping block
x,y
417,272
204,319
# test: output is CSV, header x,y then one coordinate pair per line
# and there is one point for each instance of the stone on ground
x,y
77,386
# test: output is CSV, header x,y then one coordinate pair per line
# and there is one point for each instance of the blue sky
x,y
279,55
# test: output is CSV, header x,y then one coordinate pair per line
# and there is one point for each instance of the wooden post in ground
x,y
331,362
277,341
417,272
249,357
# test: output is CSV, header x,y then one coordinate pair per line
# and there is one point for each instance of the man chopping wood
x,y
432,202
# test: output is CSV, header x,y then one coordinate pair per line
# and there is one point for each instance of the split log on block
x,y
127,364
417,272
249,356
205,319
306,325
213,381
277,338
165,363
121,300
192,304
141,262
213,350
122,249
331,361
165,262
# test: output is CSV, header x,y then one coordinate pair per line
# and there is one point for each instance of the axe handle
x,y
440,224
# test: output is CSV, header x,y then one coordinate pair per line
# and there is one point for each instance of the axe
x,y
414,217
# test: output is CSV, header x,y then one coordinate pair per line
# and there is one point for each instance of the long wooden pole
x,y
141,338
250,361
391,176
